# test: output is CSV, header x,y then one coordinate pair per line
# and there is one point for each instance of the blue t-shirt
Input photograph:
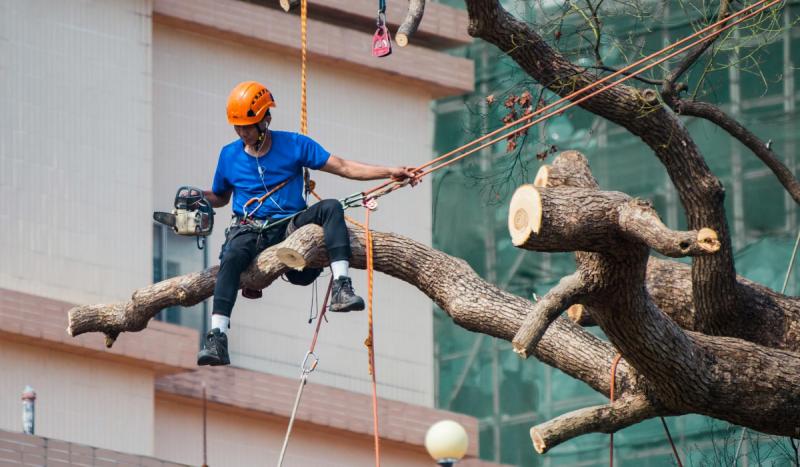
x,y
239,171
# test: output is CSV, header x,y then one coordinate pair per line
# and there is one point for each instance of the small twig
x,y
692,57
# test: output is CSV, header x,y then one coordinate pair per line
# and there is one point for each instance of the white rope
x,y
307,369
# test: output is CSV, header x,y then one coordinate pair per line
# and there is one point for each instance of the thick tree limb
x,y
608,418
569,219
765,317
416,8
472,302
762,150
673,360
702,195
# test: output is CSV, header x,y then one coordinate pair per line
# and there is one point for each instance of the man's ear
x,y
267,119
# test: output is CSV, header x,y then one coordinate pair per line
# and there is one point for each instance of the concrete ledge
x,y
273,396
20,449
436,73
40,321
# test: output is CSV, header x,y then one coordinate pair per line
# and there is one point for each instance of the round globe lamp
x,y
446,441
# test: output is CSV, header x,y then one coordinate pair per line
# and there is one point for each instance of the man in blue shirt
x,y
264,161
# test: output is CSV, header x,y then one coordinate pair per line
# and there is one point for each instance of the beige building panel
x,y
79,399
76,148
237,440
352,115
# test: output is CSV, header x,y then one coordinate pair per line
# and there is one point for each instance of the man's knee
x,y
237,257
331,207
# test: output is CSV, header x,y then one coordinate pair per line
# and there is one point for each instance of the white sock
x,y
220,322
339,268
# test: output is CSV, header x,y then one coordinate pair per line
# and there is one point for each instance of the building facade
x,y
109,106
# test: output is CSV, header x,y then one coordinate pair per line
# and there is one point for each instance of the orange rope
x,y
370,343
583,90
303,54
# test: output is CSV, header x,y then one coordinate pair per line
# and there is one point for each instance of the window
x,y
174,255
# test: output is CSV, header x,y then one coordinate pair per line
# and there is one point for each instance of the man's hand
x,y
400,174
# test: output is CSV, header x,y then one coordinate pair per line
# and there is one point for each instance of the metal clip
x,y
309,363
354,200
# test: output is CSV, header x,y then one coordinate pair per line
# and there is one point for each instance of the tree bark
x,y
701,193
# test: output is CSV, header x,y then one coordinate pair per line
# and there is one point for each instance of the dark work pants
x,y
243,244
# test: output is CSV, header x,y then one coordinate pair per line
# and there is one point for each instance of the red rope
x,y
321,315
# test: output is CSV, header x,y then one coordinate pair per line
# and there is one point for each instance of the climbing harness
x,y
309,364
614,364
381,40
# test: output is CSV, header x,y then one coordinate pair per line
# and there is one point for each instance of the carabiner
x,y
307,367
354,200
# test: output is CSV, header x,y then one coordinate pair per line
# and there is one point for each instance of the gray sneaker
x,y
343,297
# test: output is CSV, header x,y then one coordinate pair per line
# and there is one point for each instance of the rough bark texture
x,y
472,302
701,193
608,418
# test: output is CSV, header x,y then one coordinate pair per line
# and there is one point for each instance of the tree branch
x,y
641,223
568,291
702,194
762,150
471,302
416,8
608,418
589,220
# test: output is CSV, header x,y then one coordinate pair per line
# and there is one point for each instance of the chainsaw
x,y
193,215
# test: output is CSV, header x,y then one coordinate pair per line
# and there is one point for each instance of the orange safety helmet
x,y
248,103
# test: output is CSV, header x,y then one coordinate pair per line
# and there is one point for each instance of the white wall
x,y
235,440
75,147
352,116
78,399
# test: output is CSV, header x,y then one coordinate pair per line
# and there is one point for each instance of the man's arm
x,y
217,201
360,171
